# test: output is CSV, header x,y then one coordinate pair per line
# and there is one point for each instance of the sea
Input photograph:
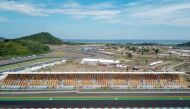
x,y
124,41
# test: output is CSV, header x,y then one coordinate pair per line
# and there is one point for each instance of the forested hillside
x,y
44,38
21,48
187,44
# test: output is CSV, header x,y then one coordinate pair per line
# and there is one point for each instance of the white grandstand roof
x,y
94,73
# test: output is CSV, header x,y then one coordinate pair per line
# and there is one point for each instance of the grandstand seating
x,y
95,80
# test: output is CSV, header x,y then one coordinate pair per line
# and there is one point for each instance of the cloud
x,y
103,5
145,12
166,14
161,11
28,9
94,11
181,22
97,11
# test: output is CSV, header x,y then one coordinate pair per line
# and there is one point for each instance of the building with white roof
x,y
91,61
155,63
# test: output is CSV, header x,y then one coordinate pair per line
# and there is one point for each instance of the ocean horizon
x,y
124,41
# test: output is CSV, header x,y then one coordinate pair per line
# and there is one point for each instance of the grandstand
x,y
93,80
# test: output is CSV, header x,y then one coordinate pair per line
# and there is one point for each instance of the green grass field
x,y
21,64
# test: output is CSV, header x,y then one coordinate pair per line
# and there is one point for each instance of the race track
x,y
95,103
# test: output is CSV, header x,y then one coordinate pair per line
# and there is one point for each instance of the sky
x,y
97,19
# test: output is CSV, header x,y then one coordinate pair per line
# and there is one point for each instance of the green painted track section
x,y
72,98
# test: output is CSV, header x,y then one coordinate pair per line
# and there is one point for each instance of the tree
x,y
156,50
146,61
129,55
133,49
142,52
21,48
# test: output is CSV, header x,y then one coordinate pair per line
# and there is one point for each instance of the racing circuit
x,y
89,89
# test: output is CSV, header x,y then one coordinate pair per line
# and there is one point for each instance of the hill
x,y
43,38
187,44
28,45
21,48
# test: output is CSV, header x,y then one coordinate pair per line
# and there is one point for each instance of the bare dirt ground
x,y
185,67
77,67
76,53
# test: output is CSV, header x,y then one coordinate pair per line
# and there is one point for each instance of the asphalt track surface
x,y
51,103
95,103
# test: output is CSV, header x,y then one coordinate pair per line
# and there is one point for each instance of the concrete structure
x,y
155,63
181,52
164,54
107,53
121,66
178,73
92,80
91,61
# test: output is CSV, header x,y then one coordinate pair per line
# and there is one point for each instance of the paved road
x,y
95,103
